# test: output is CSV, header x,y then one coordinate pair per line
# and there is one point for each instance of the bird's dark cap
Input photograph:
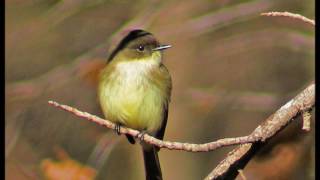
x,y
134,34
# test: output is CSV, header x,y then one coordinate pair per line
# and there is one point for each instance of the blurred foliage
x,y
231,68
66,168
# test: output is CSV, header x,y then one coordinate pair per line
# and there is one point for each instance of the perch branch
x,y
151,140
262,132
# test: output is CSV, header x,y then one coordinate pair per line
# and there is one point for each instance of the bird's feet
x,y
117,129
140,136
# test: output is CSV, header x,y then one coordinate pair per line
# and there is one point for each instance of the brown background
x,y
231,68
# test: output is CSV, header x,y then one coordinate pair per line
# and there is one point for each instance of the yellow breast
x,y
128,95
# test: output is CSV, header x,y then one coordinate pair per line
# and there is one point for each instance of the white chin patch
x,y
134,69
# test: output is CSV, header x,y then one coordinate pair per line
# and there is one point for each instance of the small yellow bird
x,y
135,89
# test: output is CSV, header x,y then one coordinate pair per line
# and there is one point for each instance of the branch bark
x,y
239,157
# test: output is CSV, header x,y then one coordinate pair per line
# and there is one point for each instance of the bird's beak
x,y
161,47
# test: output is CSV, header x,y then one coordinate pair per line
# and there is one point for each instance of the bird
x,y
135,90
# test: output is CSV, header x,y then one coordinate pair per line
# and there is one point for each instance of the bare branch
x,y
151,140
239,157
290,15
262,132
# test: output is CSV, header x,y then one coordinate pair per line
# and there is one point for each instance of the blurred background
x,y
231,69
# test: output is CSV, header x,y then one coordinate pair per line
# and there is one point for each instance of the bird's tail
x,y
152,164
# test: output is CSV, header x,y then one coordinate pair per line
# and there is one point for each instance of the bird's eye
x,y
140,48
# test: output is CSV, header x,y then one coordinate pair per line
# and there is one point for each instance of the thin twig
x,y
290,15
151,140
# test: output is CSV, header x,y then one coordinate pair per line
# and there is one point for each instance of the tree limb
x,y
239,157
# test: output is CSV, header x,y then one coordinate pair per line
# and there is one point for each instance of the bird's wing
x,y
160,133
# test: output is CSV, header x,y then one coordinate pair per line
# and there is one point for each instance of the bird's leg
x,y
117,129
